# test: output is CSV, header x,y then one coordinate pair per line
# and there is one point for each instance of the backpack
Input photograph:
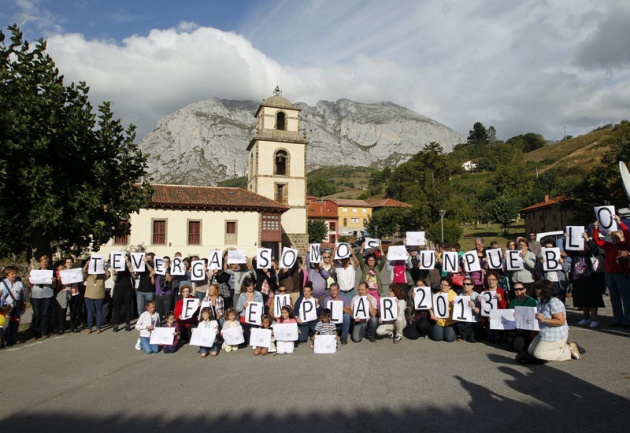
x,y
581,268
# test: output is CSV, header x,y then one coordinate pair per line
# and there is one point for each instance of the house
x,y
388,202
352,216
196,219
469,165
549,215
325,210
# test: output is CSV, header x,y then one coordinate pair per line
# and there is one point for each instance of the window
x,y
194,232
281,193
280,121
333,226
345,222
122,240
230,232
355,220
364,210
345,209
281,163
354,210
159,232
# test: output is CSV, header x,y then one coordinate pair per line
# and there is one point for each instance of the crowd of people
x,y
116,298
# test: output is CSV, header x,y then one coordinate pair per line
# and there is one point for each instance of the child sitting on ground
x,y
324,327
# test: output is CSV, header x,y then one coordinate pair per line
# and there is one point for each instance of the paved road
x,y
99,383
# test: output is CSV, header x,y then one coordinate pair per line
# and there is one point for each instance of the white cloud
x,y
511,65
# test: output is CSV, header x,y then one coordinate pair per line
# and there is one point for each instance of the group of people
x,y
224,295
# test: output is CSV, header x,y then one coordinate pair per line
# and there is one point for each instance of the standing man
x,y
346,273
146,283
534,245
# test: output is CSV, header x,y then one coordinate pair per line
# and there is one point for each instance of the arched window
x,y
280,165
280,121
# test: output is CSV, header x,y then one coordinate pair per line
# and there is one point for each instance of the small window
x,y
280,121
333,226
194,232
345,209
159,232
364,210
354,210
281,193
231,232
355,220
281,163
345,222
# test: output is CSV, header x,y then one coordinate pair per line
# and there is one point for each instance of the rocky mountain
x,y
205,142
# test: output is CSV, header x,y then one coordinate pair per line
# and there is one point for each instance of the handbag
x,y
458,280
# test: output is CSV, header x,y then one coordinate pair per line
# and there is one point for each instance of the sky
x,y
520,66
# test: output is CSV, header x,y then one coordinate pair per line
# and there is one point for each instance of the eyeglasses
x,y
492,279
518,289
282,291
325,257
468,284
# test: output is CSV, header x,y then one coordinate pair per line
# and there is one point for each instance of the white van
x,y
558,234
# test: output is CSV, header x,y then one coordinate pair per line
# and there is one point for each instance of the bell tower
x,y
277,166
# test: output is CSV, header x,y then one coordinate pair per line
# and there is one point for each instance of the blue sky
x,y
522,66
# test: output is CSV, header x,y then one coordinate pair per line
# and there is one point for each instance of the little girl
x,y
324,327
148,320
230,322
208,322
170,322
286,316
265,324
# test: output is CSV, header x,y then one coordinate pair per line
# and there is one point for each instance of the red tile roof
x,y
211,198
322,209
389,202
350,203
548,202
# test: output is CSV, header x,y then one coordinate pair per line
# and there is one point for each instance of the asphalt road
x,y
100,383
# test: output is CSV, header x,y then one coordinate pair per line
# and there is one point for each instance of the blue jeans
x,y
142,298
90,305
443,333
361,329
207,350
348,295
345,326
304,330
148,347
619,286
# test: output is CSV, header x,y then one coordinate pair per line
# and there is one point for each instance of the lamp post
x,y
442,213
376,232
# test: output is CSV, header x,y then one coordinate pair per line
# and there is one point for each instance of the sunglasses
x,y
468,284
326,257
518,289
282,291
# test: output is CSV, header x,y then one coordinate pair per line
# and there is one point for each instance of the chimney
x,y
546,199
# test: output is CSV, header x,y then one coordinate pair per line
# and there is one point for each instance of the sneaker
x,y
138,347
397,339
390,336
344,341
584,322
593,325
372,339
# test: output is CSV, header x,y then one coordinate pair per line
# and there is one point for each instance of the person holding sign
x,y
147,321
344,327
551,342
346,272
265,323
208,322
94,295
184,325
496,294
443,329
230,322
216,302
319,274
518,340
394,329
306,311
286,317
554,267
123,294
248,294
75,301
419,323
469,331
324,327
616,270
525,275
364,311
371,269
41,299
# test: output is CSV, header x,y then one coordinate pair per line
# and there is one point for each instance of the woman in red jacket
x,y
184,325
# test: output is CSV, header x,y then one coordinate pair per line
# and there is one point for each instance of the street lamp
x,y
376,232
442,213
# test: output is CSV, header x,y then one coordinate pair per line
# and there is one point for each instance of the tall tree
x,y
67,174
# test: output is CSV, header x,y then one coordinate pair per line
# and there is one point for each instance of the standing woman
x,y
525,275
94,296
12,295
74,300
551,342
41,300
123,295
59,307
371,270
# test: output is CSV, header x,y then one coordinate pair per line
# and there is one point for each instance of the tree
x,y
503,210
68,175
452,231
527,142
317,231
320,187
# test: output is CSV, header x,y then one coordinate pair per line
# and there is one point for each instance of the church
x,y
271,213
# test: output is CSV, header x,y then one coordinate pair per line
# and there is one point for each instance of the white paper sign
x,y
197,270
606,218
462,311
289,256
427,260
71,276
471,261
325,344
117,261
575,241
260,337
308,310
41,276
189,306
215,260
361,308
159,266
162,336
389,309
137,262
371,243
96,266
263,258
233,336
314,253
342,251
502,320
397,252
203,337
254,312
514,261
336,309
422,298
177,267
494,258
236,257
449,261
551,259
440,306
285,331
525,318
415,238
488,302
279,301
